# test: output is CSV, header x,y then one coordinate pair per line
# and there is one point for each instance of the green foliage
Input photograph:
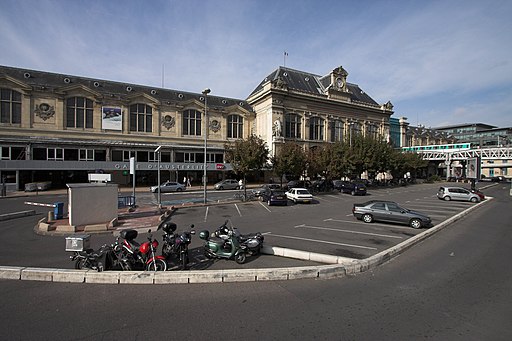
x,y
289,160
246,155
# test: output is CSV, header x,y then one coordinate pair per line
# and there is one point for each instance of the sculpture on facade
x,y
276,128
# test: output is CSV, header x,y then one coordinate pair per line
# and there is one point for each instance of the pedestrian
x,y
240,184
188,182
185,181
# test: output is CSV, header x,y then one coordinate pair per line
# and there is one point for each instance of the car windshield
x,y
302,192
277,193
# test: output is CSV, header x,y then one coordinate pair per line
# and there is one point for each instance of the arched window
x,y
141,118
235,126
10,106
336,131
292,126
316,128
79,113
192,122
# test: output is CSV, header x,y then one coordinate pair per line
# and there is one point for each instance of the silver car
x,y
169,186
227,184
389,211
457,193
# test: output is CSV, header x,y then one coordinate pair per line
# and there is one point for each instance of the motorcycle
x,y
252,241
176,245
141,255
229,248
107,257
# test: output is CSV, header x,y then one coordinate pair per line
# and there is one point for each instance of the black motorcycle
x,y
107,257
175,246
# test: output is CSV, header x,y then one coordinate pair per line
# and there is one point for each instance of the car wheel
x,y
353,193
179,189
415,223
447,198
367,218
473,199
221,188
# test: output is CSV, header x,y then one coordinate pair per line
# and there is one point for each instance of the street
x,y
453,286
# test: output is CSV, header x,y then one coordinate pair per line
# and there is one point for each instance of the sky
x,y
439,62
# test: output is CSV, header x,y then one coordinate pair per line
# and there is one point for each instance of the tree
x,y
290,159
246,155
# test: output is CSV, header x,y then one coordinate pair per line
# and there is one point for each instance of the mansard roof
x,y
312,84
54,82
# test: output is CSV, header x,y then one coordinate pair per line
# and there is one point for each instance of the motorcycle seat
x,y
217,240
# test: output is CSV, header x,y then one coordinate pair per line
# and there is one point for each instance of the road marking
x,y
322,241
264,206
239,213
373,224
348,231
206,213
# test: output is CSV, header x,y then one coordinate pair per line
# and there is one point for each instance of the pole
x,y
132,171
158,153
205,93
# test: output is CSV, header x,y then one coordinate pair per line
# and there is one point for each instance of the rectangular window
x,y
55,154
292,126
5,153
86,155
316,128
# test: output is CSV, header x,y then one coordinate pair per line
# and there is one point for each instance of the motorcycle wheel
x,y
240,257
157,265
81,263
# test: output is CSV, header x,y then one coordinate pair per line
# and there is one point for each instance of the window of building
x,y
336,131
10,106
79,113
5,153
235,126
86,154
55,154
141,118
372,131
316,128
192,122
292,126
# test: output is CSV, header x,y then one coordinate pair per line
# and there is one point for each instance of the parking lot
x,y
327,225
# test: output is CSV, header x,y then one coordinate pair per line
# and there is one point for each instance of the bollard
x,y
51,216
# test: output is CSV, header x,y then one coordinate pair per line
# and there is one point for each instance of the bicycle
x,y
241,195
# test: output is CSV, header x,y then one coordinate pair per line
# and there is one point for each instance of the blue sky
x,y
439,62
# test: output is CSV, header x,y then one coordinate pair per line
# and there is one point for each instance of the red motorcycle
x,y
141,256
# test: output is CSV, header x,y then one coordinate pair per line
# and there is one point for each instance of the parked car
x,y
457,193
298,184
169,186
354,188
479,193
389,211
227,184
259,191
299,195
274,197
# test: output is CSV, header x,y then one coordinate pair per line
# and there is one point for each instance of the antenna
x,y
162,76
284,58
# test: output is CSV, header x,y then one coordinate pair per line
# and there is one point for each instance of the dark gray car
x,y
389,211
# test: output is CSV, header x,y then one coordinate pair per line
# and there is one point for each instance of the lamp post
x,y
157,151
205,93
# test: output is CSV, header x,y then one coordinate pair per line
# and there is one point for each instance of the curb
x,y
337,267
9,216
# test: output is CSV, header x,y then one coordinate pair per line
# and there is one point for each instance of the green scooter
x,y
230,248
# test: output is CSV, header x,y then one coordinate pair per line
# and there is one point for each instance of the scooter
x,y
176,245
141,255
230,248
252,241
107,257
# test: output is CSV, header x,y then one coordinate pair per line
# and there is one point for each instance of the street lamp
x,y
205,93
158,172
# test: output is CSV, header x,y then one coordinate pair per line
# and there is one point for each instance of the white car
x,y
169,186
299,195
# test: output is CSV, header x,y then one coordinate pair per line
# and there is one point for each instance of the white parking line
x,y
372,224
239,213
265,207
348,231
206,213
322,241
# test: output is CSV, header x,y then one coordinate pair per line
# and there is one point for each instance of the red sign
x,y
219,166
